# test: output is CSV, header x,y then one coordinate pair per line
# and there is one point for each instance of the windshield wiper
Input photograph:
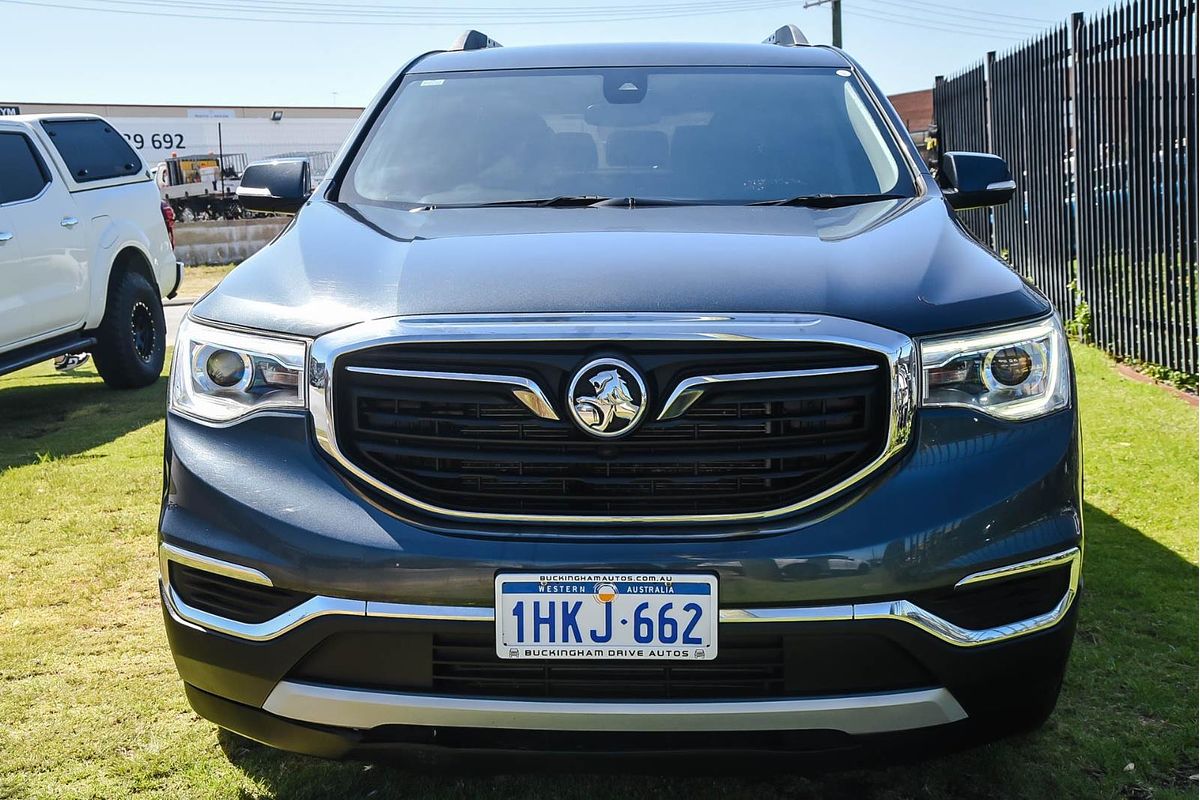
x,y
829,200
572,201
561,201
586,201
646,202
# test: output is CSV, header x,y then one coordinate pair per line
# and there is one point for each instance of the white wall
x,y
156,138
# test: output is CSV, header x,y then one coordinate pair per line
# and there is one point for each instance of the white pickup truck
x,y
85,252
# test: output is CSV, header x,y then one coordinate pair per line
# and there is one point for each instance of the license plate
x,y
606,616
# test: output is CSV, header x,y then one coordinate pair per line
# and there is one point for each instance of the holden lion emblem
x,y
607,398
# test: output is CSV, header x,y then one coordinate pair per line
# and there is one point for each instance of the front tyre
x,y
131,340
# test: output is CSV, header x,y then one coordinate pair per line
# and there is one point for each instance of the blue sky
x,y
303,52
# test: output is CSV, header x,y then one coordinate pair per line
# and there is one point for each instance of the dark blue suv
x,y
623,400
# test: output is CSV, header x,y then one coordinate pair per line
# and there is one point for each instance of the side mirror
x,y
280,186
974,180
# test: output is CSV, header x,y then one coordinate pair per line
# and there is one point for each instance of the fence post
x,y
939,86
1076,137
989,143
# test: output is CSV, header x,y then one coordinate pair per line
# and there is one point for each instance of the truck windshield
x,y
719,135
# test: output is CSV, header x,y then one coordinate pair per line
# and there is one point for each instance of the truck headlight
x,y
221,376
1012,373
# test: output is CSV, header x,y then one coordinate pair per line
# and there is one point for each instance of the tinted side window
x,y
22,174
92,149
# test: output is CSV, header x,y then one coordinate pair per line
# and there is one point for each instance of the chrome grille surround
x,y
600,329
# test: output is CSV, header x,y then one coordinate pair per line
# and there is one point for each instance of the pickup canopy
x,y
86,149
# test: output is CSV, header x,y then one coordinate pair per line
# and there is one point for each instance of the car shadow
x,y
49,415
1129,580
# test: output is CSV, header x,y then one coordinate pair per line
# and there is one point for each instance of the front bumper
x,y
251,688
178,281
972,501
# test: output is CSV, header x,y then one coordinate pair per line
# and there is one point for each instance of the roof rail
x,y
787,36
474,40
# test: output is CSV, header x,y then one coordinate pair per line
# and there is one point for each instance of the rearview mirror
x,y
281,186
974,180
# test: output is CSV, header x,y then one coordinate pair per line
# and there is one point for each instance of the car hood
x,y
901,264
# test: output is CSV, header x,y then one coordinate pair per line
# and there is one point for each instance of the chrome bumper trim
x,y
855,714
169,552
797,614
895,610
409,611
1044,562
930,623
259,631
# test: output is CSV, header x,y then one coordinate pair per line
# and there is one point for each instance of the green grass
x,y
90,705
198,280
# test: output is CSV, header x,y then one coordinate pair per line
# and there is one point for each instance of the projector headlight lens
x,y
221,376
1012,366
1012,373
225,368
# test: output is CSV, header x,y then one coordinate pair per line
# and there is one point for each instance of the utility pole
x,y
836,6
220,158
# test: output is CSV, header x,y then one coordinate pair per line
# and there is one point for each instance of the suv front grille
x,y
742,448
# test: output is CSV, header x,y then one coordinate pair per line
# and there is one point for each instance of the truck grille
x,y
472,447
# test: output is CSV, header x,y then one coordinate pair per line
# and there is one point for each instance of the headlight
x,y
220,376
1011,373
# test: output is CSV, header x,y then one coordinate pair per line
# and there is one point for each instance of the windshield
x,y
722,135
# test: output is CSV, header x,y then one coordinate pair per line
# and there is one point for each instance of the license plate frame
x,y
608,603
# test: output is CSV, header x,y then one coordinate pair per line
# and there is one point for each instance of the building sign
x,y
254,138
210,113
9,111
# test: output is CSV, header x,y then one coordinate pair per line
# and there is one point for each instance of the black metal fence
x,y
962,103
1097,119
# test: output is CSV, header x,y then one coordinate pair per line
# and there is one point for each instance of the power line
x,y
964,24
835,6
953,26
406,8
302,12
306,13
291,7
974,27
942,16
928,26
339,7
979,13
